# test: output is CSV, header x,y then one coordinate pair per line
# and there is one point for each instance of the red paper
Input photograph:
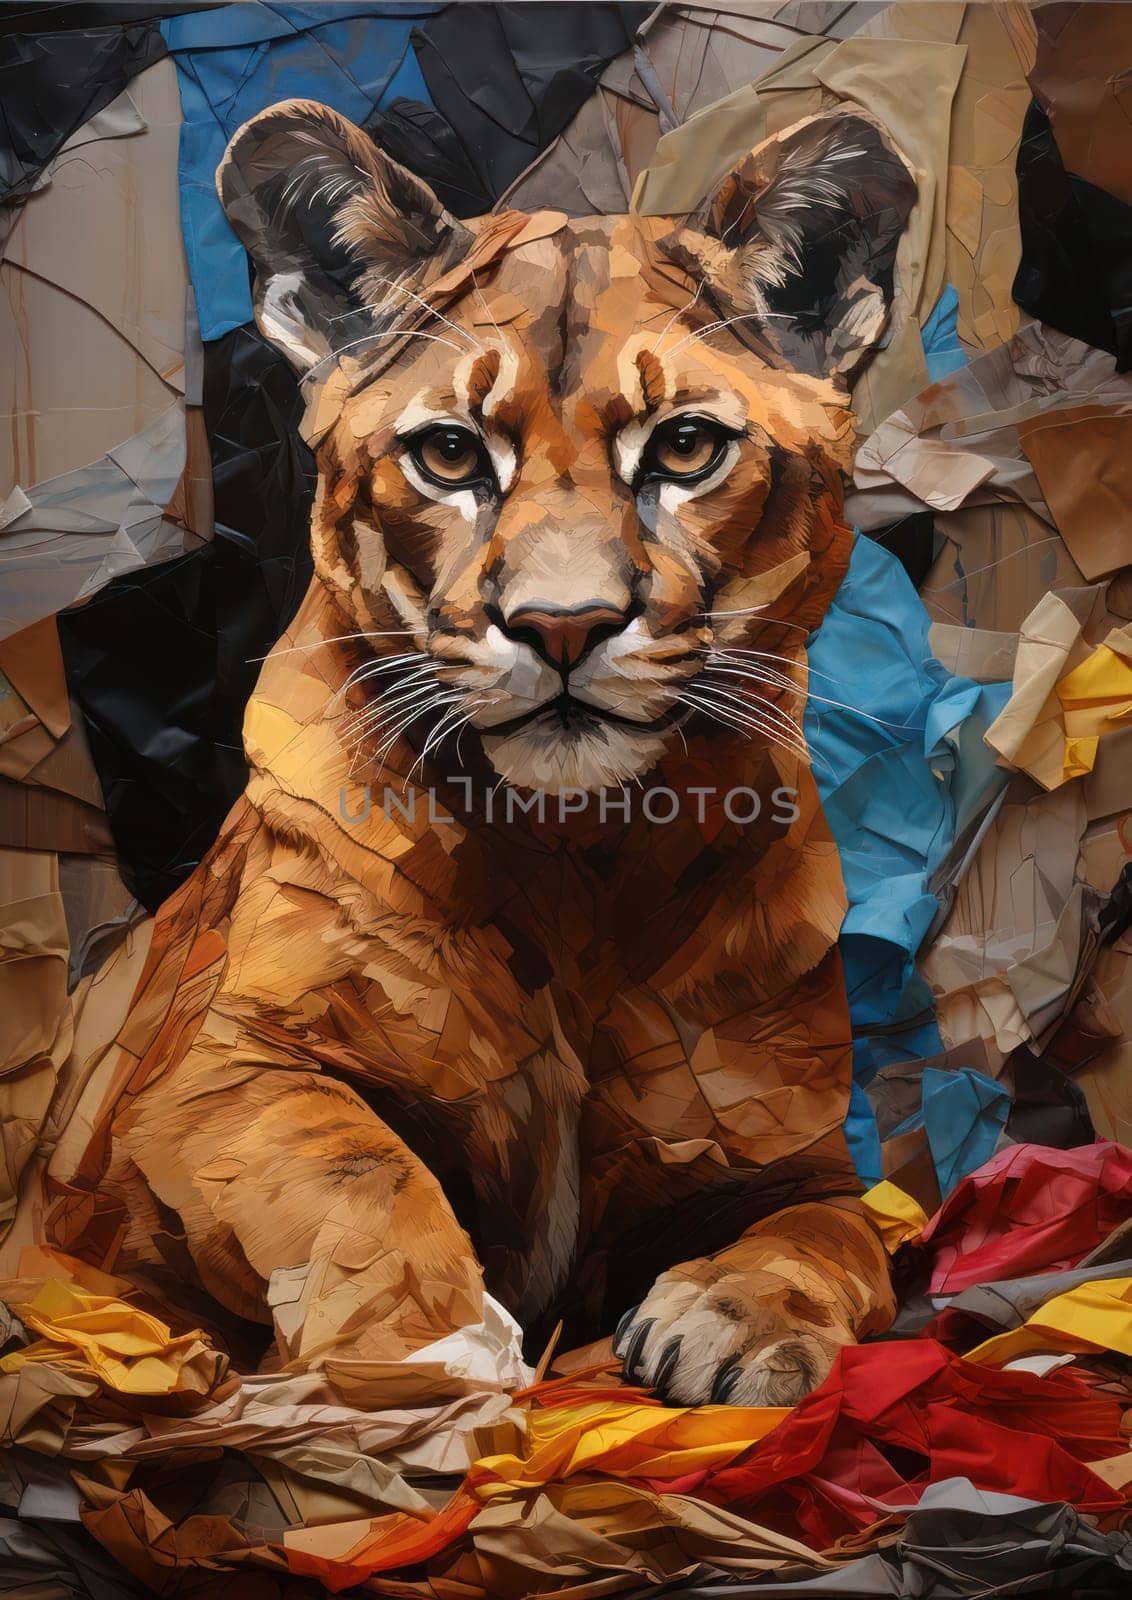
x,y
1028,1209
892,1418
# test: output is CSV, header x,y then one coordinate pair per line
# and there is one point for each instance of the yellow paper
x,y
124,1348
624,1441
895,1215
1094,1316
1096,698
1080,756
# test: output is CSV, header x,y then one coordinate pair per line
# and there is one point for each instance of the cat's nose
x,y
562,635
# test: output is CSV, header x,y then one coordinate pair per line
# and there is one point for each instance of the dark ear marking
x,y
652,377
798,244
341,237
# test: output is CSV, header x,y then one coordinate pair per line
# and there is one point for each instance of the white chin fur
x,y
554,759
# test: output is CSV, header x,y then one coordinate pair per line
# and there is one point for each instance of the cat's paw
x,y
710,1333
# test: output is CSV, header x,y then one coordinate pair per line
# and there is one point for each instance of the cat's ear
x,y
799,241
340,236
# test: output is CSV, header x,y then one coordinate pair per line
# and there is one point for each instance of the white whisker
x,y
402,288
480,297
754,716
389,735
747,611
683,310
712,714
774,681
406,676
373,669
754,704
699,334
732,652
769,706
436,738
778,680
460,732
392,695
380,711
385,333
339,638
408,720
758,671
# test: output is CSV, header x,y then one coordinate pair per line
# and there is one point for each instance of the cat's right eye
x,y
685,449
451,457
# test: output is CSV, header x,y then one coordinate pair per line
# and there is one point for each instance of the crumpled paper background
x,y
974,766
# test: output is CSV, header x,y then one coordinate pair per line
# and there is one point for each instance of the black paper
x,y
509,78
1076,266
421,139
51,83
912,540
162,661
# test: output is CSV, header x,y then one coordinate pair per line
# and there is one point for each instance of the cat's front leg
x,y
292,1191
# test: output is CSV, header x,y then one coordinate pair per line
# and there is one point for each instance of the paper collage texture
x,y
565,799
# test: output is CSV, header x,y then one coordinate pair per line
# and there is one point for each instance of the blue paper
x,y
963,1113
239,59
861,1136
940,337
900,763
896,762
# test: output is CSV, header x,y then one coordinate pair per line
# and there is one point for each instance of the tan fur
x,y
370,1057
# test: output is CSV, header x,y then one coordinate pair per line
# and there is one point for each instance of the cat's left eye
x,y
451,457
686,447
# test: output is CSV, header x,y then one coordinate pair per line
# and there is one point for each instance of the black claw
x,y
667,1362
636,1345
619,1330
724,1386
